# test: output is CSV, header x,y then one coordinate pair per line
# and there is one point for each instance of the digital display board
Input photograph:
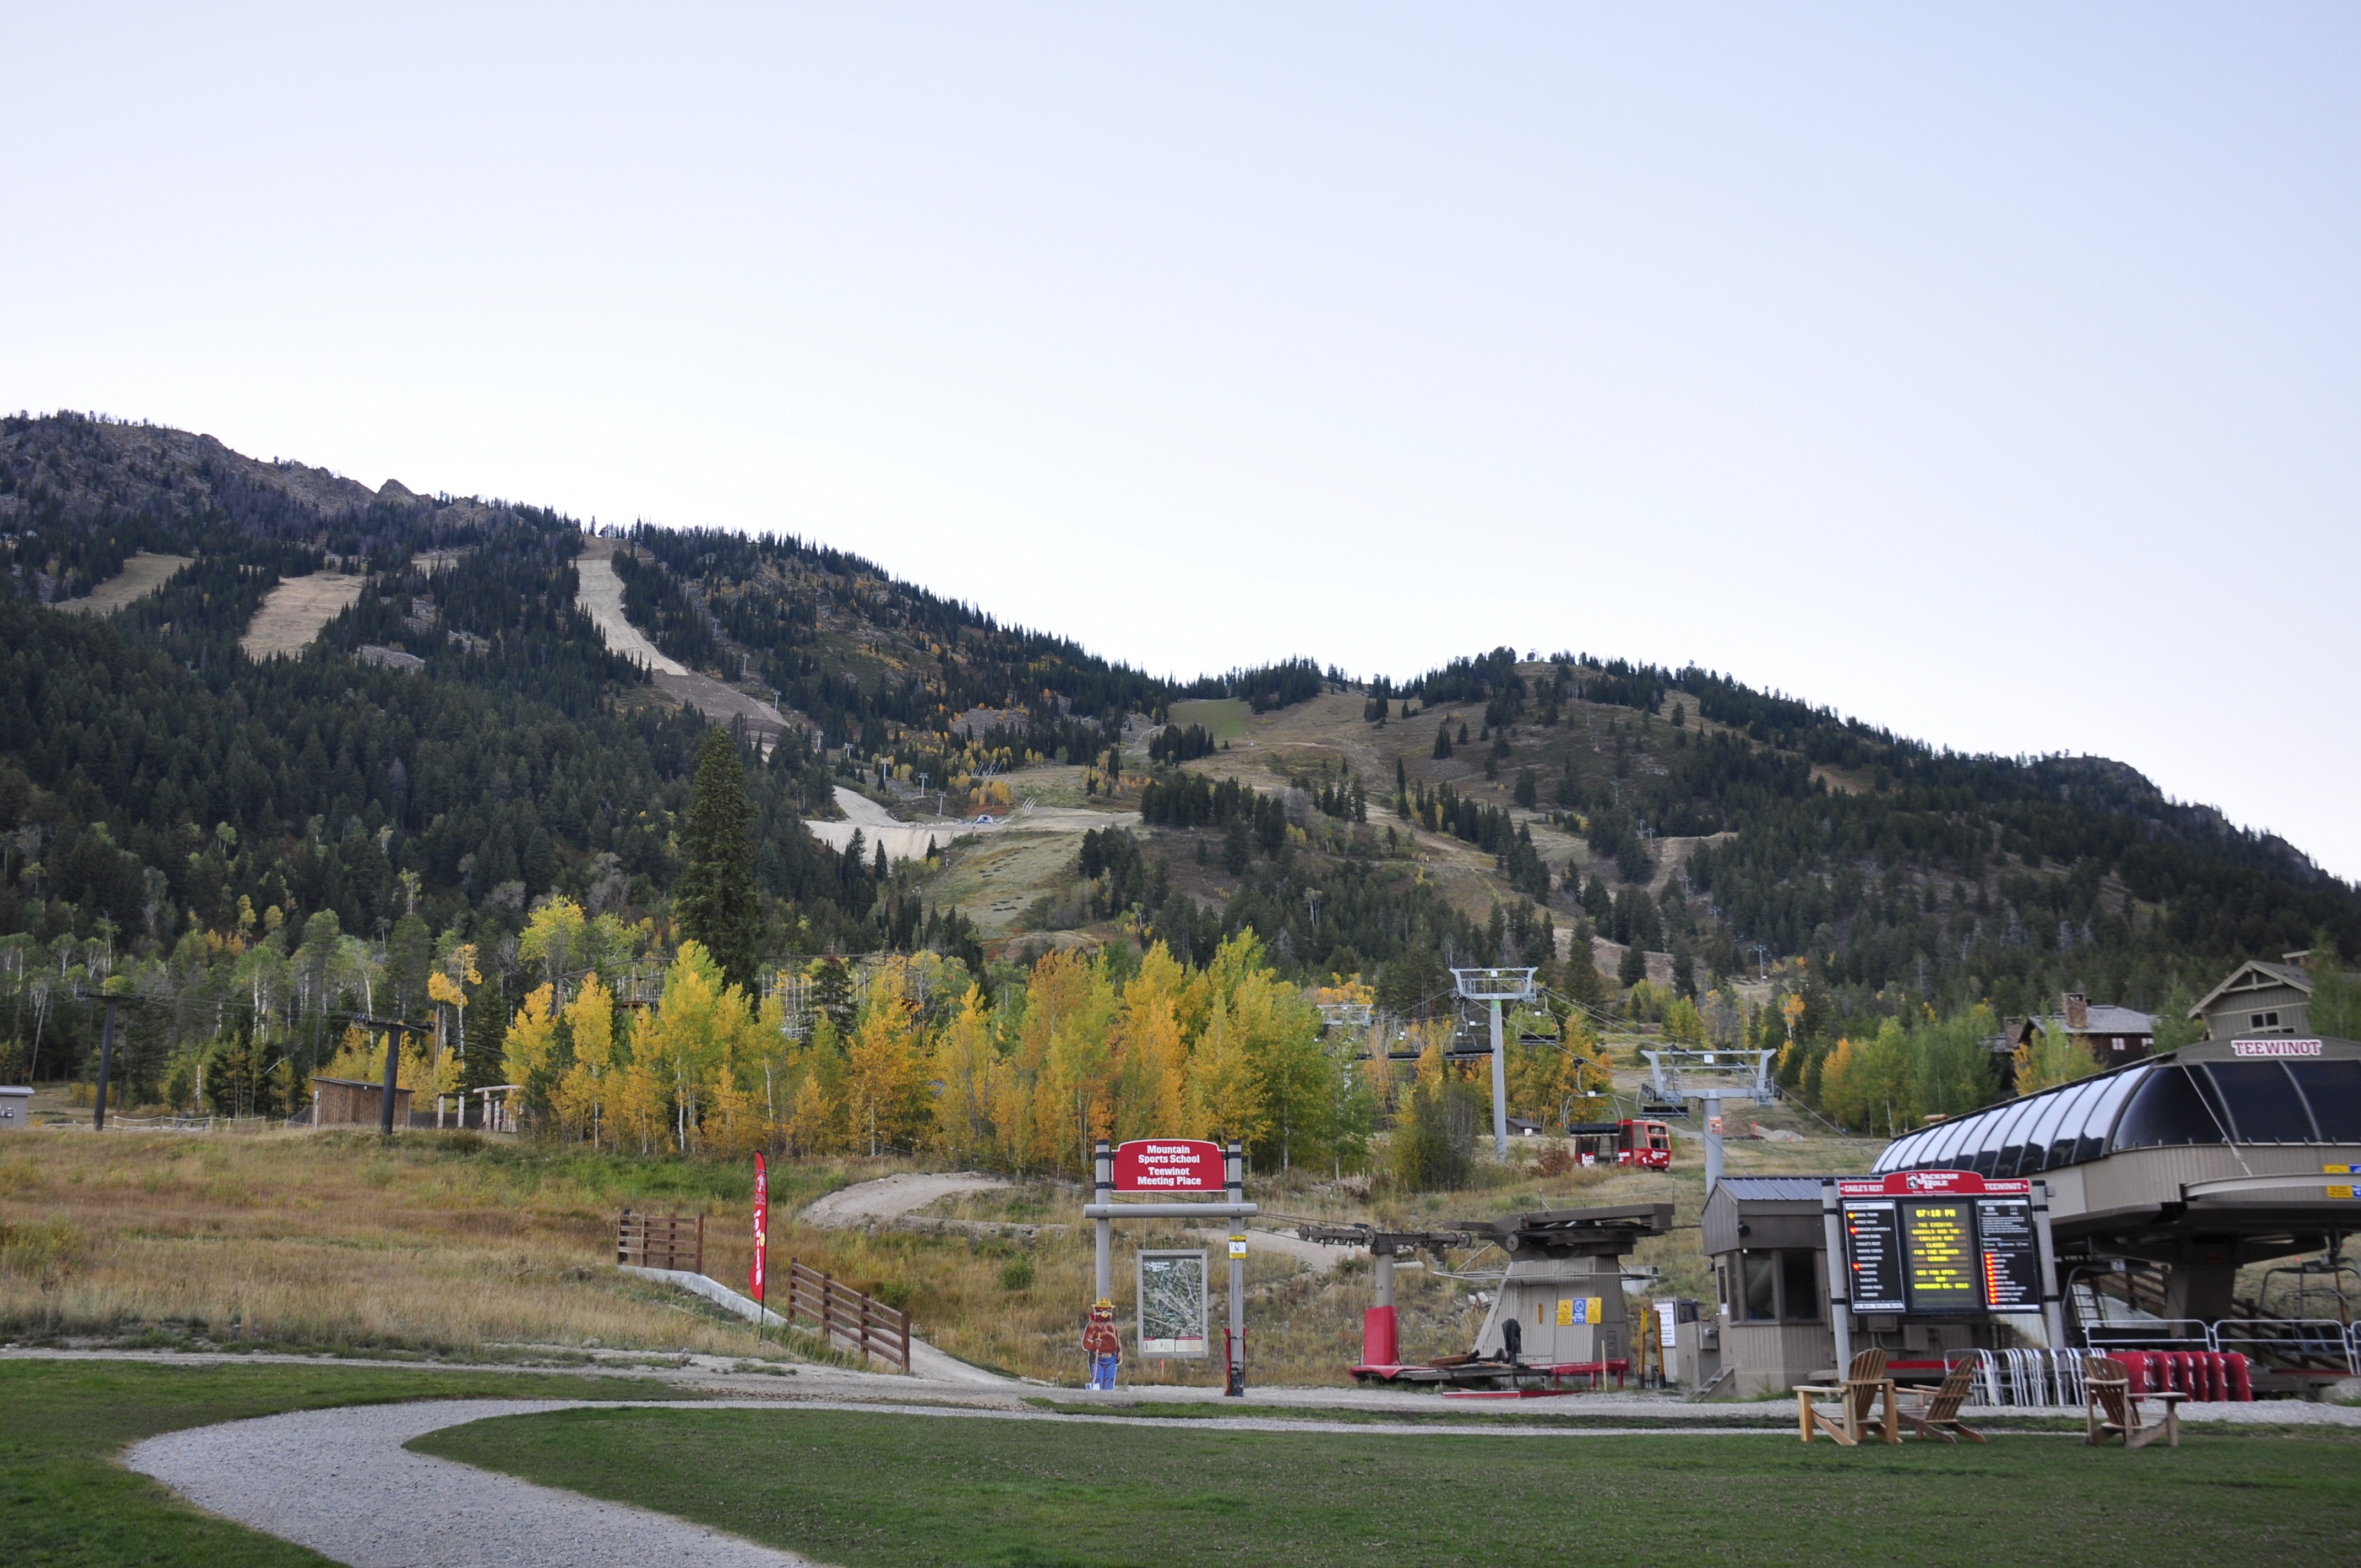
x,y
1938,1249
2011,1260
1940,1242
1874,1253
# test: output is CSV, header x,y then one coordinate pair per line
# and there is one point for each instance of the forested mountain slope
x,y
158,788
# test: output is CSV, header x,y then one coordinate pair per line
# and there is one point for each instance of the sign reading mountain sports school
x,y
1940,1242
2275,1048
1169,1165
761,1226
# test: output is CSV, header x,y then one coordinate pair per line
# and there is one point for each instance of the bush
x,y
1017,1273
1433,1144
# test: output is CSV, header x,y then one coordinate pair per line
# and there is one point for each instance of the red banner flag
x,y
762,1224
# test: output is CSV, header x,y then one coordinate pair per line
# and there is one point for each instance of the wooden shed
x,y
351,1103
1770,1256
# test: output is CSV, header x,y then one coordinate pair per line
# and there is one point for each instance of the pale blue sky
x,y
1989,373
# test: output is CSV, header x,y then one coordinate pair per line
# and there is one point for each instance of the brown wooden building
x,y
349,1103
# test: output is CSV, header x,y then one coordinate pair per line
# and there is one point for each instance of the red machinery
x,y
1640,1143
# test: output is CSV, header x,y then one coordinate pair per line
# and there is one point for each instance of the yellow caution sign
x,y
2343,1190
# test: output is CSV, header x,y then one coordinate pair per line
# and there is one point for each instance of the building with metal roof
x,y
2205,1159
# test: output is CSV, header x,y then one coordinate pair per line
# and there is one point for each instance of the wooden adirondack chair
x,y
2111,1411
1856,1396
1937,1412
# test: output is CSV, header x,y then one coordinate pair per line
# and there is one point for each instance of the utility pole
x,y
106,1068
395,1029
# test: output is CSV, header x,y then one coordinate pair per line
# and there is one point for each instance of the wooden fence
x,y
660,1241
846,1316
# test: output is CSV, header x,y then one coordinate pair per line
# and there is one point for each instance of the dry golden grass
x,y
336,1240
293,612
456,1245
141,576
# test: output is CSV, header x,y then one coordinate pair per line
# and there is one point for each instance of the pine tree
x,y
1635,967
714,899
1442,739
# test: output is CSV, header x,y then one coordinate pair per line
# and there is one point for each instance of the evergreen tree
x,y
714,899
1580,977
1442,739
1635,967
1527,793
409,954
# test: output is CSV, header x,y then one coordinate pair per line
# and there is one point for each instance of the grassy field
x,y
1225,717
63,1498
981,1491
456,1245
439,1243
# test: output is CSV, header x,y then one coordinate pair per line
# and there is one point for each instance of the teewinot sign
x,y
1167,1165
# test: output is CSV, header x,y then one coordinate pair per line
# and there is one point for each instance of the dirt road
x,y
891,1197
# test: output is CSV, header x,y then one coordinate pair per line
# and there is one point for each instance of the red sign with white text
x,y
1917,1183
761,1225
1169,1165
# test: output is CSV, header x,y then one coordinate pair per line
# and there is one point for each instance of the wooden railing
x,y
846,1316
660,1241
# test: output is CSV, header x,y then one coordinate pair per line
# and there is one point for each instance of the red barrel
x,y
2242,1383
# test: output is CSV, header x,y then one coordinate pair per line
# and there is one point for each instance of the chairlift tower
x,y
1494,986
1709,1077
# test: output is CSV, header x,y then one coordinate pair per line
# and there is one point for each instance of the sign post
x,y
1235,1161
1176,1166
1840,1274
757,1276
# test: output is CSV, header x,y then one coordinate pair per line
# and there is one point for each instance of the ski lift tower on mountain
x,y
1494,986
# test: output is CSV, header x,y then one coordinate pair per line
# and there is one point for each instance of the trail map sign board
x,y
1940,1243
1173,1298
1167,1165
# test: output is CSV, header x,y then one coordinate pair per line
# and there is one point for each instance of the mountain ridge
x,y
1483,808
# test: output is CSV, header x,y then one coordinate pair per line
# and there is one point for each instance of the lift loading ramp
x,y
1559,1312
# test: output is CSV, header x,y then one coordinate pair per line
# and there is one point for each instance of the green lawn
x,y
63,1498
880,1491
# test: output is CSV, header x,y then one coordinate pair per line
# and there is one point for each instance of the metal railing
x,y
2323,1343
2304,1344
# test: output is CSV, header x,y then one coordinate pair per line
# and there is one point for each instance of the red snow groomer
x,y
1640,1143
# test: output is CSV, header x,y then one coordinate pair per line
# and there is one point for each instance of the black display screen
x,y
1939,1249
1874,1255
2011,1260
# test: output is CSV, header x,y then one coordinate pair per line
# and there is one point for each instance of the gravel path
x,y
891,1197
340,1483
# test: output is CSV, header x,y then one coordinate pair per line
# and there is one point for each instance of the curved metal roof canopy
x,y
2205,1094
